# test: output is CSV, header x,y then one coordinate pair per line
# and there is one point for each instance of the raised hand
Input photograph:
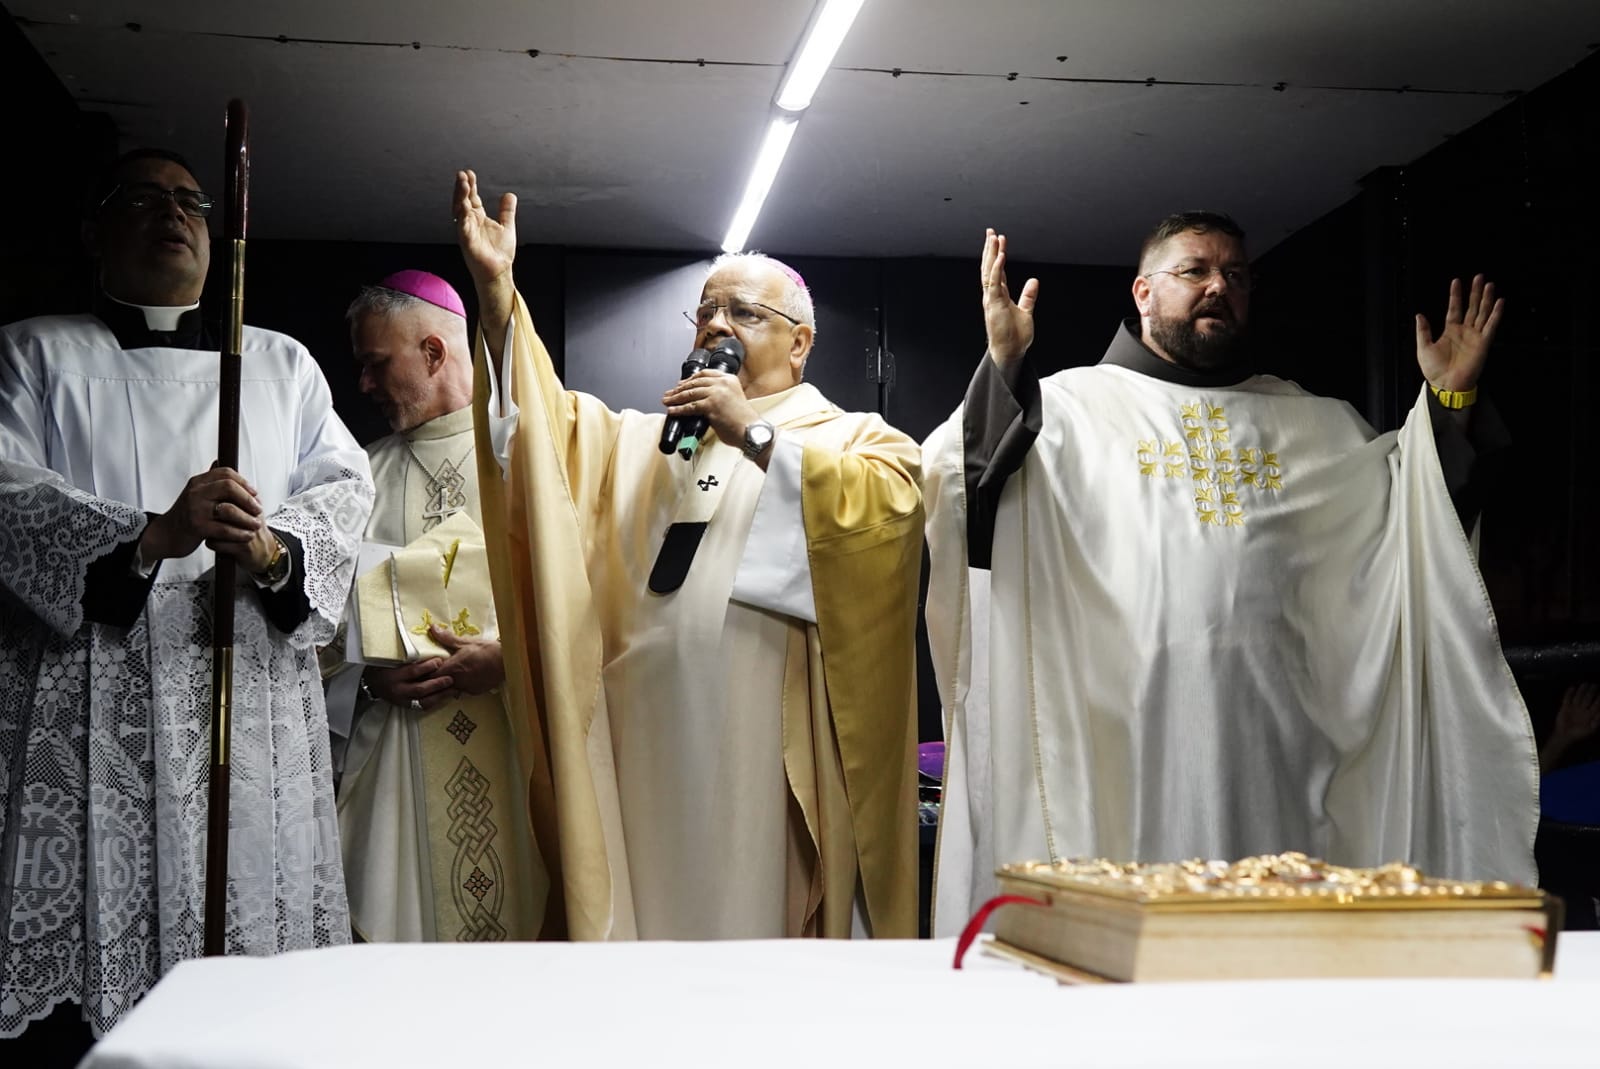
x,y
489,245
1008,323
1454,360
1577,721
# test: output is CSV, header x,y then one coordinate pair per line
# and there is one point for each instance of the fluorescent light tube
x,y
816,53
773,147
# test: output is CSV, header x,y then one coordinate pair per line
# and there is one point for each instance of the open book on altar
x,y
1274,916
440,578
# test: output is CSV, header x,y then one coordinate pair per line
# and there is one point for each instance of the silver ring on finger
x,y
416,705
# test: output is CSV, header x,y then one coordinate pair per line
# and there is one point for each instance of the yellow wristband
x,y
1455,398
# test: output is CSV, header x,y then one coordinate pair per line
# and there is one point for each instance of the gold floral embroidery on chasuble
x,y
1226,475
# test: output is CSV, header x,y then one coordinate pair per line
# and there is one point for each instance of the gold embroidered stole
x,y
485,882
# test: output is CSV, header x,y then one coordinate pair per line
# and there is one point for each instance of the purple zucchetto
x,y
426,287
791,273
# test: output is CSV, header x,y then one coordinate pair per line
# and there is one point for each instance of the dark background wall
x,y
1510,197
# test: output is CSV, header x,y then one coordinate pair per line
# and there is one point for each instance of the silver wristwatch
x,y
757,436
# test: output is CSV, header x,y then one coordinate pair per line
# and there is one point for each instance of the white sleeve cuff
x,y
503,411
775,572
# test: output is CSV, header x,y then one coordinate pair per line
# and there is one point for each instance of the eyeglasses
x,y
147,196
740,314
1237,277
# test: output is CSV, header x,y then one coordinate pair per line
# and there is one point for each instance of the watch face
x,y
757,437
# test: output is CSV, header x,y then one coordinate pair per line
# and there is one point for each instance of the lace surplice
x,y
104,730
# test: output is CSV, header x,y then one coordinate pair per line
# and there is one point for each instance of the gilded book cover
x,y
1282,915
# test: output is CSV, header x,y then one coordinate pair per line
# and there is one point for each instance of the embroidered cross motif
x,y
478,884
707,483
461,727
1217,468
461,625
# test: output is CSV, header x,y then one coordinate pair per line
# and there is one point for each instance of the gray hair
x,y
796,300
382,301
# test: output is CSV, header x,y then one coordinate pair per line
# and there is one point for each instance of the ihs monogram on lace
x,y
1219,468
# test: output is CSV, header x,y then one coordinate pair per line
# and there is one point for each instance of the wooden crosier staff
x,y
236,204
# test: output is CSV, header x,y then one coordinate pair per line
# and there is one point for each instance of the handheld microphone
x,y
727,355
672,430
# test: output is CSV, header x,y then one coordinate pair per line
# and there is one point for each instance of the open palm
x,y
489,245
1008,323
1454,360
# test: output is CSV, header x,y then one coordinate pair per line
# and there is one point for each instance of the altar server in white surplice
x,y
432,809
111,518
1178,609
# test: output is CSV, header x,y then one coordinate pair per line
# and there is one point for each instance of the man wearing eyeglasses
x,y
720,651
113,515
1183,610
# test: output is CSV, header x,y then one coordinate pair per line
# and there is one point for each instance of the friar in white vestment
x,y
432,809
717,654
1178,609
111,518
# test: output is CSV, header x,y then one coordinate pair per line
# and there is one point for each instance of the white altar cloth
x,y
814,1003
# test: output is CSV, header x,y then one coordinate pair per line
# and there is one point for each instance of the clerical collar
x,y
1129,350
445,426
158,317
139,326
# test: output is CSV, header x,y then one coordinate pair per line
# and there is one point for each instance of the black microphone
x,y
672,430
727,355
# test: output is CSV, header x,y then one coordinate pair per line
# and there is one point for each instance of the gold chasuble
x,y
701,767
432,812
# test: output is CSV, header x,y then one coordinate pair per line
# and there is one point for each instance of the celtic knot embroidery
x,y
1217,468
476,869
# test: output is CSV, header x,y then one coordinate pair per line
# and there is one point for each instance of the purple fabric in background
x,y
930,759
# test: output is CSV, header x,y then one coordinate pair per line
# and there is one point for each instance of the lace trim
x,y
51,534
105,734
328,518
104,752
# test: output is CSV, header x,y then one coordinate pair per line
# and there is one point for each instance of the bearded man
x,y
1180,609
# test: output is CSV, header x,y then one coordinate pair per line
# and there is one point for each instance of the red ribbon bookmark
x,y
975,925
